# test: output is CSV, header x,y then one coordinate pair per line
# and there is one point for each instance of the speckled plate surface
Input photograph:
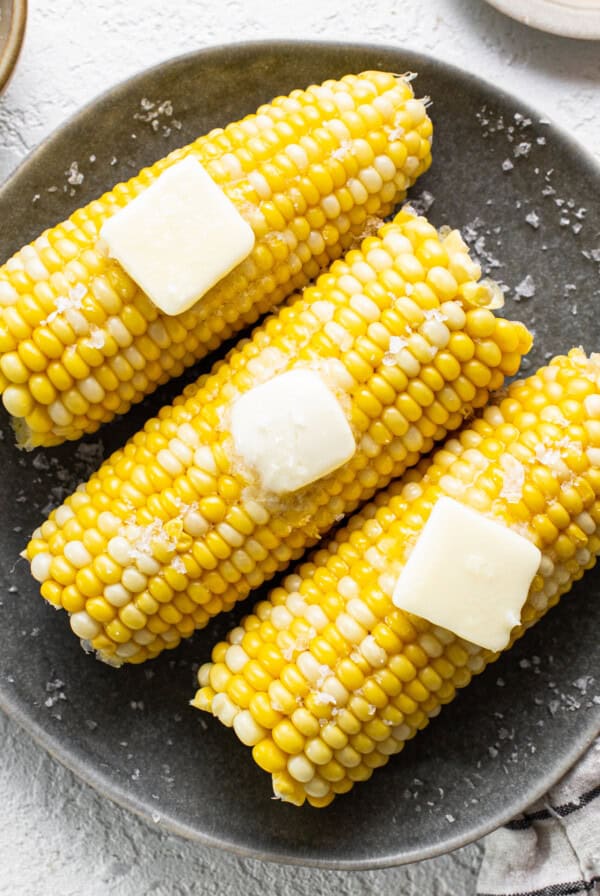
x,y
520,190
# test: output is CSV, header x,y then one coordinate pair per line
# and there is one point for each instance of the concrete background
x,y
56,835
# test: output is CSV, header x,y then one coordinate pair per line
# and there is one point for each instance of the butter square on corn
x,y
469,574
291,430
179,237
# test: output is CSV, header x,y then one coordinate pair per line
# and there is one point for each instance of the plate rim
x,y
112,789
552,18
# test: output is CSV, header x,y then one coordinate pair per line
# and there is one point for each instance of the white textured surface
x,y
56,835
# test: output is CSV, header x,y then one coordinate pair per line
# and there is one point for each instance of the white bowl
x,y
13,14
569,18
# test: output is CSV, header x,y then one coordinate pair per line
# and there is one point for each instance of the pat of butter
x,y
291,430
469,574
179,237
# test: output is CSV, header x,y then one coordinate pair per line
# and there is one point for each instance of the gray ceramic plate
x,y
130,733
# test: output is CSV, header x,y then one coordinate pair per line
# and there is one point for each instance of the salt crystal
x,y
583,683
423,202
346,145
525,289
513,479
533,219
178,565
74,175
450,818
507,165
97,339
41,462
522,150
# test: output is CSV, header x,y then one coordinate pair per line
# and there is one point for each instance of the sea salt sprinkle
x,y
525,289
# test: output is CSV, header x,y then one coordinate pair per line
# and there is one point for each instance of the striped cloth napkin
x,y
553,849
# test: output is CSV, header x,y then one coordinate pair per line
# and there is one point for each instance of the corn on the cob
x,y
171,530
328,679
80,342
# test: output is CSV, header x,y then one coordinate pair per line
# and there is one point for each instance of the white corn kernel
x,y
298,156
84,626
133,580
59,414
126,650
195,524
317,787
360,611
188,435
401,732
316,617
300,768
591,403
348,757
181,451
310,667
295,603
230,535
204,675
236,658
373,653
117,595
143,636
350,629
40,566
147,565
108,524
169,463
224,709
119,549
62,514
247,729
204,460
281,617
365,307
336,689
91,390
119,332
77,554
